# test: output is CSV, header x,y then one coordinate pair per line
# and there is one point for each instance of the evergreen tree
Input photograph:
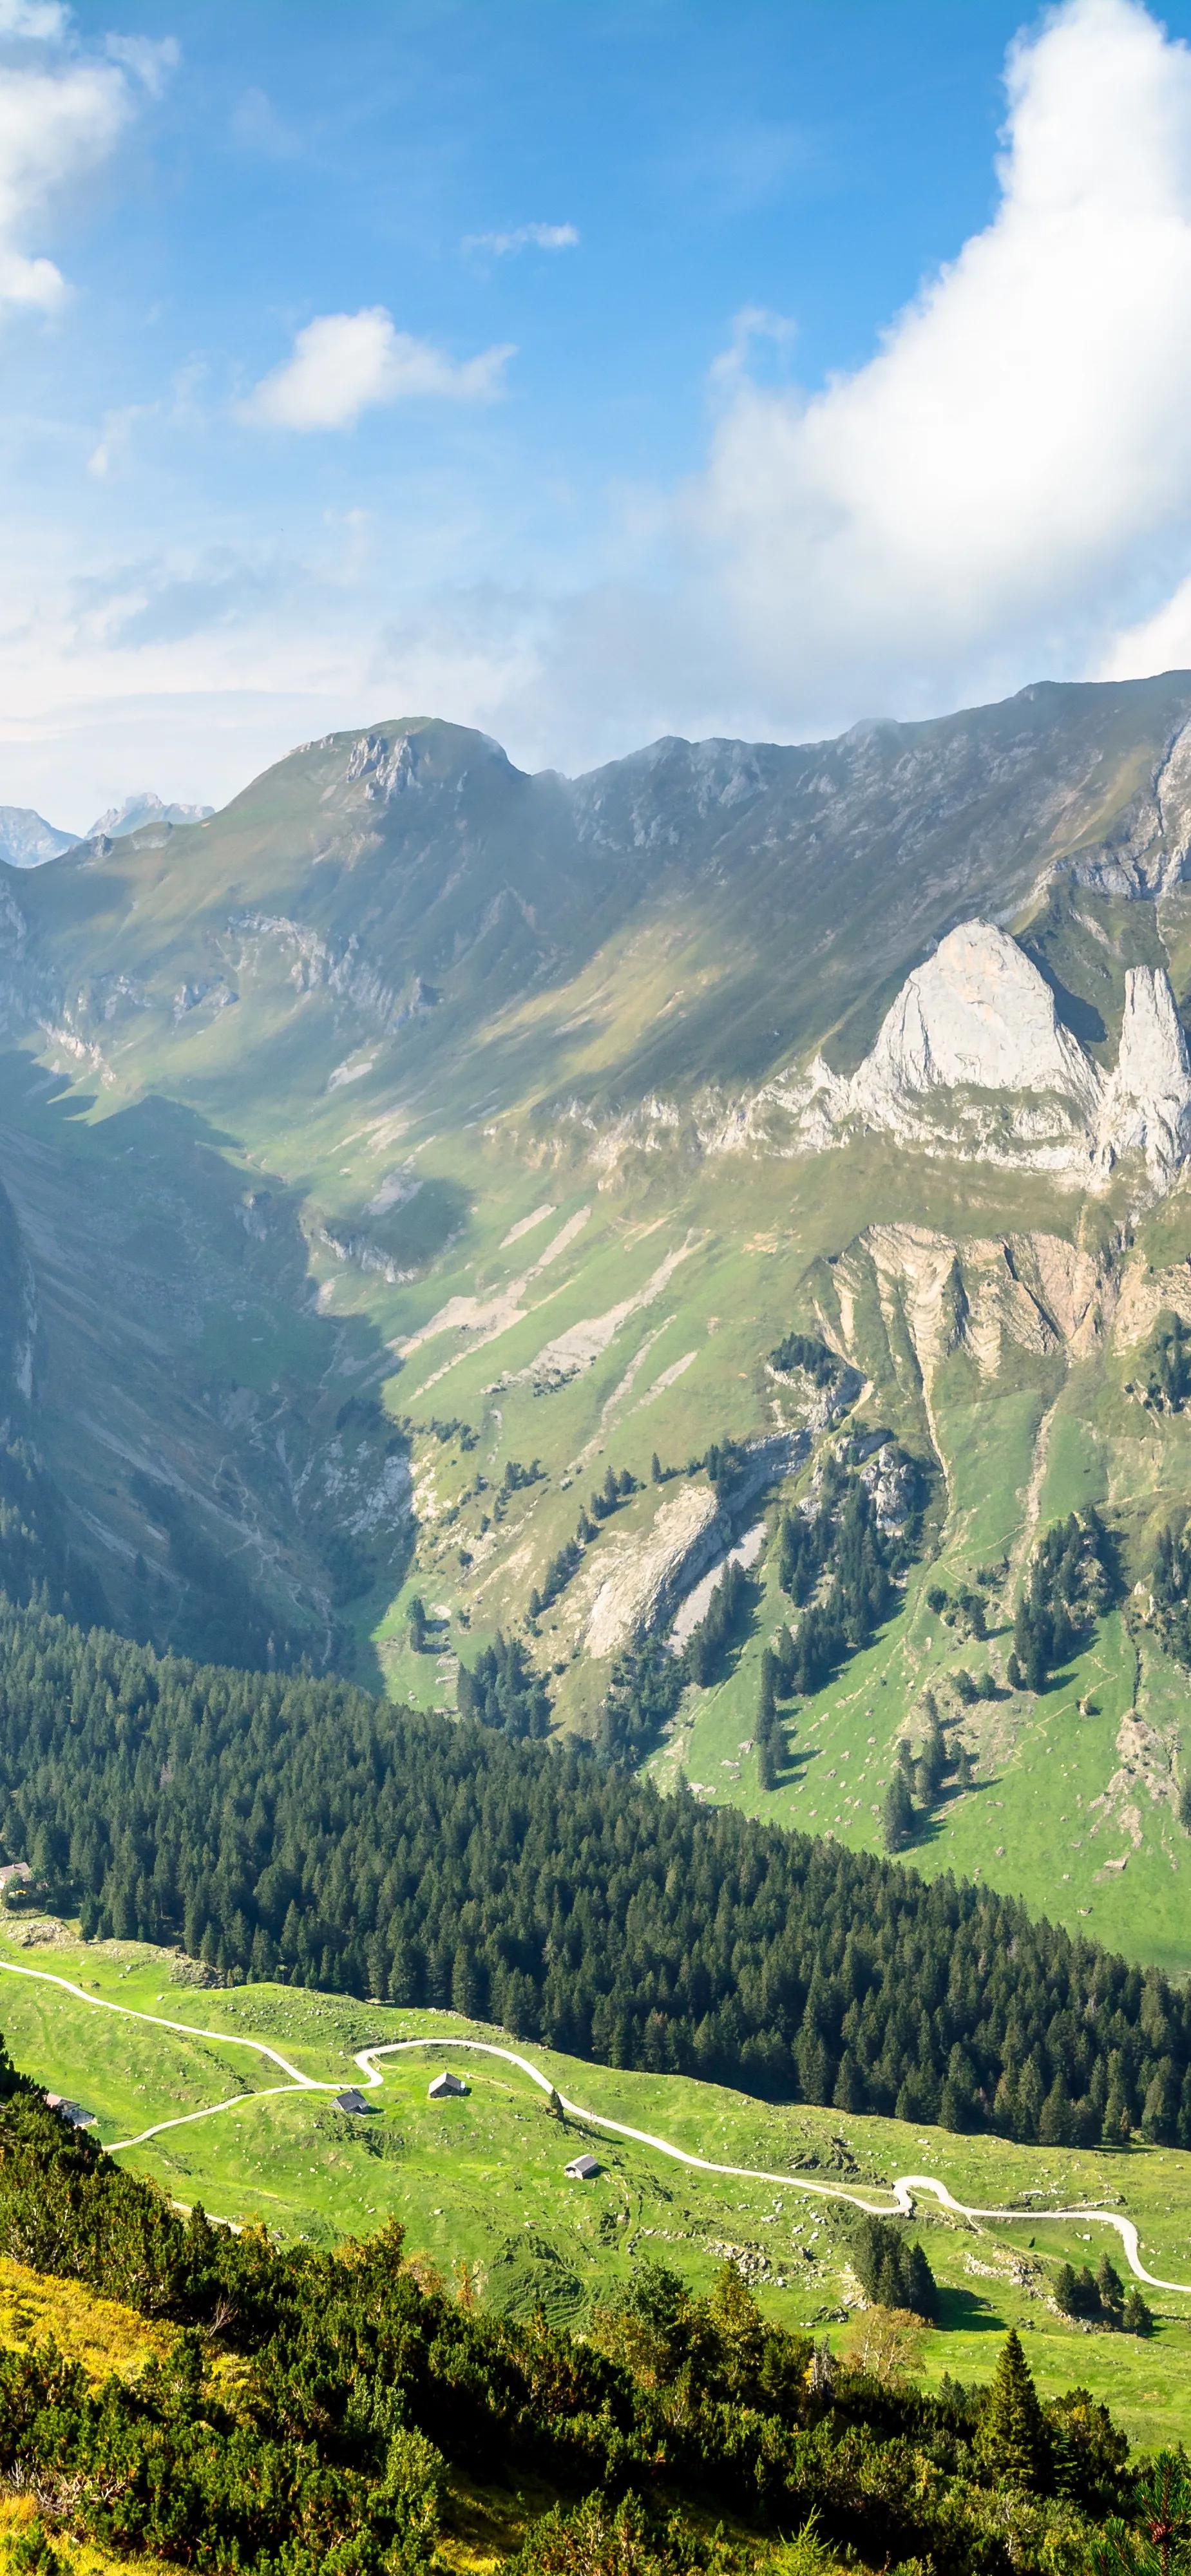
x,y
1066,2290
1055,2124
1118,2122
1014,2441
898,1818
1110,2290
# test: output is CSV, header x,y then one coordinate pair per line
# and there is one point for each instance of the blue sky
x,y
580,371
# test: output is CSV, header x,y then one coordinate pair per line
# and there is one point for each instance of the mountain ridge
x,y
415,1145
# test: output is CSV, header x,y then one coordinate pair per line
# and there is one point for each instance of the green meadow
x,y
480,2182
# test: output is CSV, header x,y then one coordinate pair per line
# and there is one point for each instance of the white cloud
x,y
58,121
346,363
985,494
525,237
1002,492
114,439
753,323
42,22
150,59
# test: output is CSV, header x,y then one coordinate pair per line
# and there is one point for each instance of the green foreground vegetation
x,y
479,2182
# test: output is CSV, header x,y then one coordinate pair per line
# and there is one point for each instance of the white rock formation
x,y
972,1060
979,1016
1147,1098
144,807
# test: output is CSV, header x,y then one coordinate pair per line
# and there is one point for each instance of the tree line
x,y
361,2385
282,1826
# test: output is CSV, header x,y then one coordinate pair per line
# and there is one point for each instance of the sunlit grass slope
x,y
480,2182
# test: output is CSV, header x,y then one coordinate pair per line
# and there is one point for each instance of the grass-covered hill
x,y
479,2184
403,1259
224,2399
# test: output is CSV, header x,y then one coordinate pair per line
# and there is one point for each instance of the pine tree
x,y
1110,2290
767,1751
921,2295
898,1818
1054,2125
956,2104
1136,2318
1066,2291
849,2094
1013,2440
1118,2124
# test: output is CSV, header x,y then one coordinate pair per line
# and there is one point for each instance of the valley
x,y
549,1328
403,1150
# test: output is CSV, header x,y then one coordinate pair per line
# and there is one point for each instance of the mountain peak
x,y
978,1014
144,806
27,840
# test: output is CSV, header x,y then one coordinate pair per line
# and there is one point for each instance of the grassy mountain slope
x,y
397,1124
481,2182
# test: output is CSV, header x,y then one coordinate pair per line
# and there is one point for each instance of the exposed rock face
x,y
977,1015
27,840
1148,849
142,808
972,1059
1147,1098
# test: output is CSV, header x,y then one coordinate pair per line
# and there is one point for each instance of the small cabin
x,y
352,2100
446,2085
583,2168
68,2110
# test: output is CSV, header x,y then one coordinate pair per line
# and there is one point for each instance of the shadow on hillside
x,y
965,2312
190,1398
931,1826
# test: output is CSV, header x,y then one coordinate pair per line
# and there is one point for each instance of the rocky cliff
x,y
973,1058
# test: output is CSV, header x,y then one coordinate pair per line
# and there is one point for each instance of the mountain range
x,y
27,840
451,1212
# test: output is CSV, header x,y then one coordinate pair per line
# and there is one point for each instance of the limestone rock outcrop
x,y
1147,1098
977,1015
973,1060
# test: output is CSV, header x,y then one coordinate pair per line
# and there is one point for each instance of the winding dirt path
x,y
897,2199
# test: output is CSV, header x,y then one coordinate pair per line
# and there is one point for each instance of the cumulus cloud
x,y
59,119
346,363
1001,493
984,493
525,237
39,22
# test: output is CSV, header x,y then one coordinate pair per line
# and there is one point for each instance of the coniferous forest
x,y
282,1826
360,2384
